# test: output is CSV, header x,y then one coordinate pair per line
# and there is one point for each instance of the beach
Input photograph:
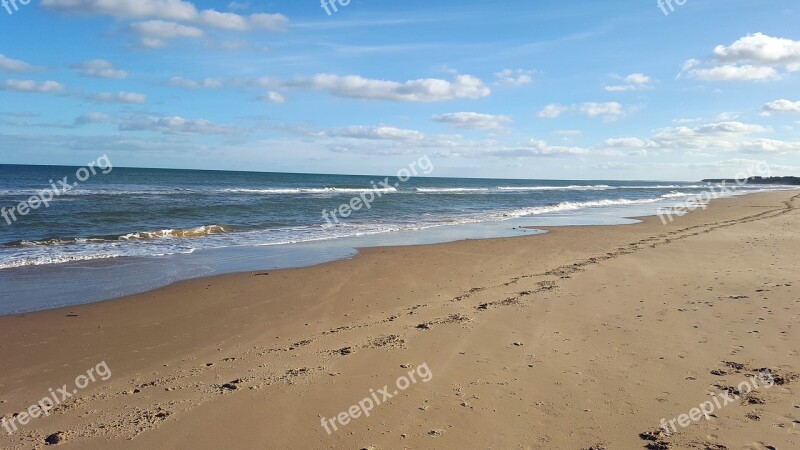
x,y
407,225
585,337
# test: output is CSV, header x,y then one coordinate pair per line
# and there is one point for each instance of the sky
x,y
578,89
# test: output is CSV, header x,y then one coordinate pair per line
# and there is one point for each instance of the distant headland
x,y
789,181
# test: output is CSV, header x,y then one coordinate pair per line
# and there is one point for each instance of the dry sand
x,y
585,337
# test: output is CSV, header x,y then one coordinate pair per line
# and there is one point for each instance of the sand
x,y
584,337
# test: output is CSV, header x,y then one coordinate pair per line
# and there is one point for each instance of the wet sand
x,y
585,337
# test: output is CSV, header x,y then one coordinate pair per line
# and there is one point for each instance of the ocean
x,y
130,215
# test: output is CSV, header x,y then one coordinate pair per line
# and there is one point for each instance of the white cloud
x,y
154,32
377,133
272,22
691,64
422,90
552,111
208,83
726,116
637,78
633,82
538,148
164,125
782,105
760,49
609,111
126,9
729,136
175,125
629,142
383,140
730,127
170,10
31,86
263,82
224,20
390,140
231,21
708,138
770,146
755,57
274,97
473,121
735,73
100,68
511,77
56,87
119,97
14,65
687,120
704,139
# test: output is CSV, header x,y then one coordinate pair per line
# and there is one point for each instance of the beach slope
x,y
584,337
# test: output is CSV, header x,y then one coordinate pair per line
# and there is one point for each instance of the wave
x,y
666,186
688,186
327,190
198,232
674,194
599,187
571,206
205,230
450,190
84,191
42,260
180,191
555,188
55,241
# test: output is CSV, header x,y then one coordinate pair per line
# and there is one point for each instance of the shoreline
x,y
329,333
78,283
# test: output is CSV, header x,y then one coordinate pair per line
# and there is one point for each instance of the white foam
x,y
571,206
329,190
450,190
598,187
674,194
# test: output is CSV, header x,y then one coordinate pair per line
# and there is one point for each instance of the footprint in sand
x,y
759,446
735,349
795,429
56,438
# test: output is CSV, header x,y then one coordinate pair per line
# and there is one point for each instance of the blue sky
x,y
520,89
